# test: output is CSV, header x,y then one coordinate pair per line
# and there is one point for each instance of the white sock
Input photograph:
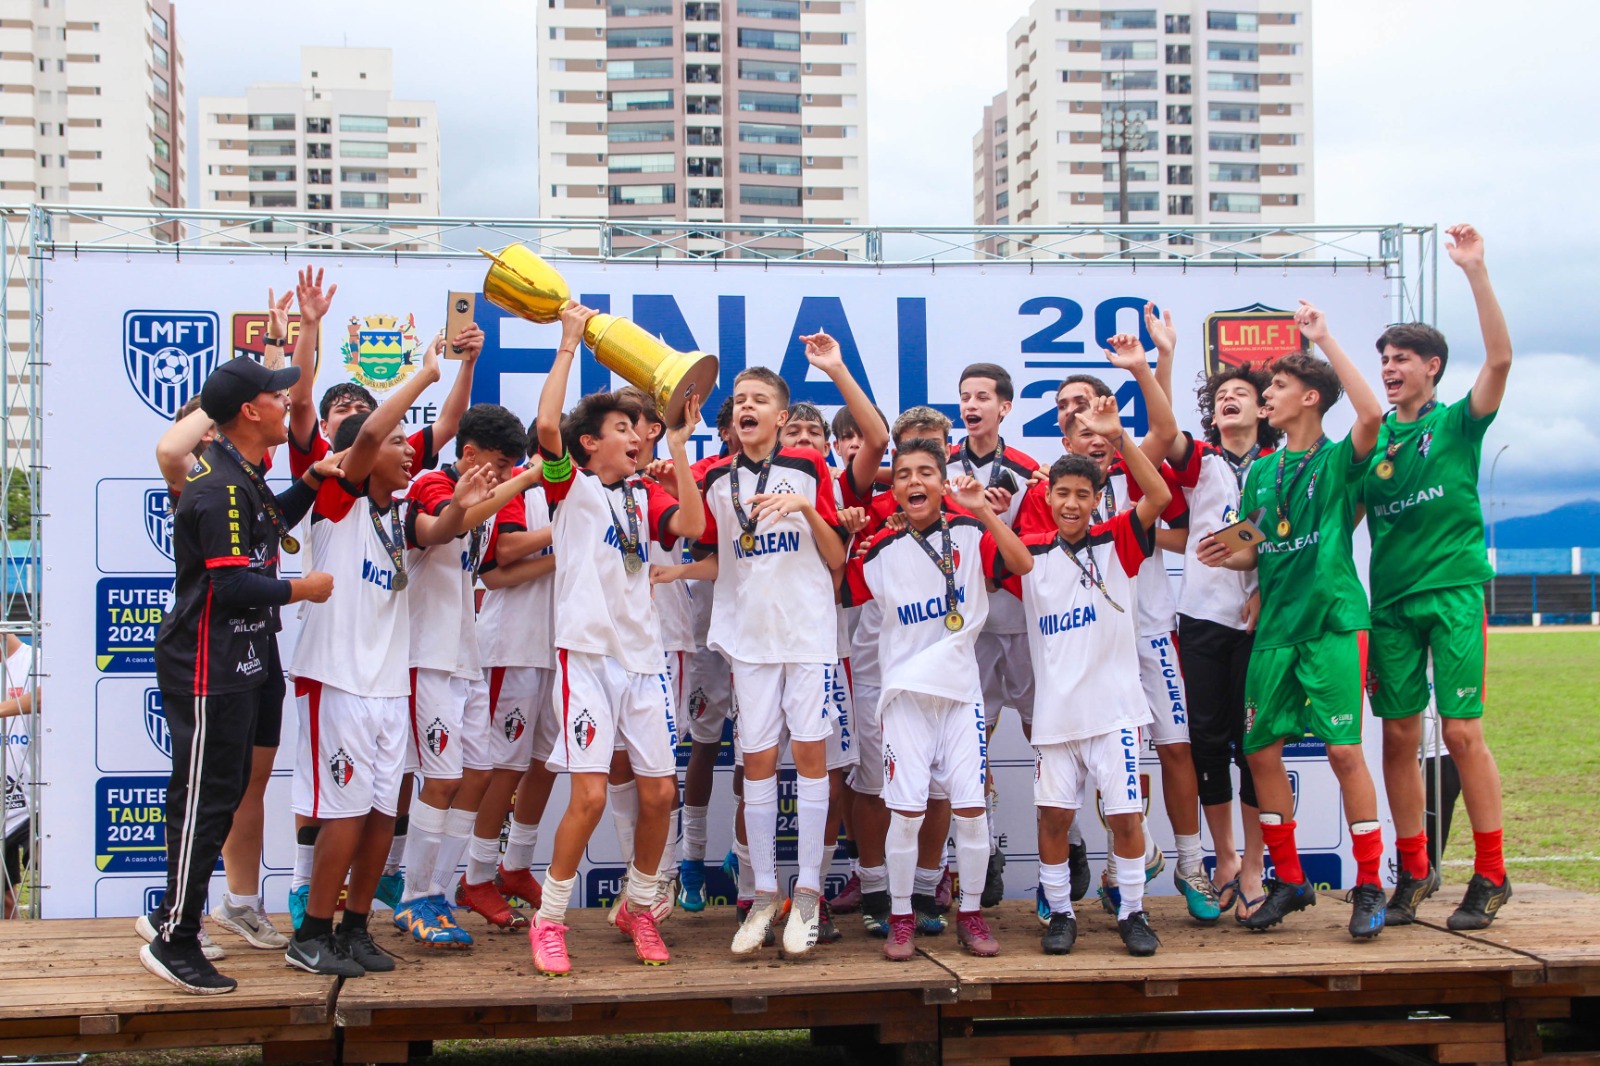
x,y
553,907
457,834
1056,881
812,810
761,831
397,854
900,856
991,805
1074,834
694,834
624,800
874,879
1188,853
667,868
972,858
928,880
422,848
1130,883
247,903
641,889
746,889
303,855
519,847
483,855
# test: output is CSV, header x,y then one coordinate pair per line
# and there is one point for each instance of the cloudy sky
x,y
1425,112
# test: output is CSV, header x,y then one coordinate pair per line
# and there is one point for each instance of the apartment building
x,y
1223,88
336,140
702,111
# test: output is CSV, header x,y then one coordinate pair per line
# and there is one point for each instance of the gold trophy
x,y
525,285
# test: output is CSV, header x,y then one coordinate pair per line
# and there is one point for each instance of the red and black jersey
x,y
424,455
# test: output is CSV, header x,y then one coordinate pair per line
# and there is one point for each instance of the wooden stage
x,y
69,986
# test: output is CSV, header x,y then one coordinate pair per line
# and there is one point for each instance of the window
x,y
788,165
1232,51
658,163
702,42
769,195
698,11
162,59
777,40
1180,175
1127,20
644,194
1236,202
789,103
766,133
270,122
1228,112
640,100
623,69
1128,79
1137,201
163,180
769,70
1180,204
363,177
703,167
638,8
638,132
163,149
159,84
363,124
1235,172
364,149
653,37
1177,23
1145,109
1002,201
1180,54
319,177
268,148
705,197
318,151
274,199
1136,172
1218,81
703,135
319,125
703,105
1183,144
703,73
157,23
1180,115
1180,84
272,173
1127,49
1235,142
364,201
770,9
1242,21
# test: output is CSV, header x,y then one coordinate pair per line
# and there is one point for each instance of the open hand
x,y
1126,352
822,352
1467,250
679,436
1313,323
777,504
1103,417
1162,335
278,314
311,296
473,488
969,493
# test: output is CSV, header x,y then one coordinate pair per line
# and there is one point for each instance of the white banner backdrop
x,y
128,338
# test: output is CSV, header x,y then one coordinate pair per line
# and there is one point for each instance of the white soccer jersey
x,y
674,600
516,625
17,741
1016,470
773,602
601,608
1085,659
917,651
359,640
441,579
1211,490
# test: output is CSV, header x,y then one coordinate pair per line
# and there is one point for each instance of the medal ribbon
x,y
1243,465
1109,500
1393,448
996,470
630,540
746,523
269,502
944,560
1283,459
1090,572
396,545
477,538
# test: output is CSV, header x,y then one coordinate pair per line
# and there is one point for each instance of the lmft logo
x,y
169,355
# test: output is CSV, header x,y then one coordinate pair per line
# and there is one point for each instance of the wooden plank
x,y
376,1051
99,1024
1486,1053
1343,982
1203,1038
1556,926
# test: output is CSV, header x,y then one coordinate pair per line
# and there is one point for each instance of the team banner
x,y
129,339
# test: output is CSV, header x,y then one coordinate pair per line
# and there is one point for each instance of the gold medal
x,y
953,621
1283,527
1384,470
290,543
400,581
632,563
747,542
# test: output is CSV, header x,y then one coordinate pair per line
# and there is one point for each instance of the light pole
x,y
1495,580
1120,131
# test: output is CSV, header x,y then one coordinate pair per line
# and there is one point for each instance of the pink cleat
x,y
647,943
549,941
972,933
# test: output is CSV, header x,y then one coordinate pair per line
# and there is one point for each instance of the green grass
x,y
1542,726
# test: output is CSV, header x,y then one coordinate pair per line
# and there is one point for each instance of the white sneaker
x,y
666,899
256,928
800,932
209,948
752,933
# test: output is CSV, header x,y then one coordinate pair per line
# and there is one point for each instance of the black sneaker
x,y
1366,911
1078,867
1409,892
1482,902
875,907
322,954
994,881
1062,934
926,911
1283,899
827,932
357,943
1140,939
183,964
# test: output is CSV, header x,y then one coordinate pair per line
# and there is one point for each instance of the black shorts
x,y
19,848
269,716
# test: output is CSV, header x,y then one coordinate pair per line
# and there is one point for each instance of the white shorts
x,y
603,707
709,699
351,753
775,696
867,777
477,740
1006,666
1108,763
522,724
837,693
438,705
933,746
1163,687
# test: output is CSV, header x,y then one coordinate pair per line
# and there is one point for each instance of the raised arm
x,y
175,449
969,493
380,423
503,494
1490,388
553,397
313,301
471,491
1165,338
822,352
1126,353
689,520
1369,412
470,341
277,328
1102,417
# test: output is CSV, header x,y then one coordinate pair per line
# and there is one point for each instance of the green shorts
x,y
1311,687
1445,624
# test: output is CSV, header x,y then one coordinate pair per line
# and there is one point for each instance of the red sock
x,y
1285,856
1489,860
1368,850
1413,852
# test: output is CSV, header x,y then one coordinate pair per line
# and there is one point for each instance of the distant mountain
x,y
1570,525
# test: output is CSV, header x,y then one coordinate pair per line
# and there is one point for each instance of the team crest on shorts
x,y
1372,682
888,763
1249,716
379,350
513,724
341,767
583,730
697,703
437,735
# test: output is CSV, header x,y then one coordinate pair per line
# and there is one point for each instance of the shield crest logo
x,y
378,351
155,722
158,520
1250,336
583,731
168,355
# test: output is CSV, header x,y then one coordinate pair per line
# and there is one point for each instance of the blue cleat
x,y
1041,907
692,885
388,891
1200,895
297,904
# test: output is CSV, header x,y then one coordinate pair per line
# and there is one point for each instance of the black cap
x,y
238,382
